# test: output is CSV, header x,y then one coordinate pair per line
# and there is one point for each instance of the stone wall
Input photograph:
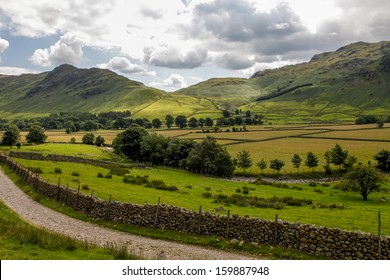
x,y
331,243
62,158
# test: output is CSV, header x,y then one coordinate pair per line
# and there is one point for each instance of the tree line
x,y
76,121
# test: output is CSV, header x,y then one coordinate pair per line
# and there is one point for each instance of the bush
x,y
57,170
100,175
36,170
75,173
118,170
238,190
245,191
135,180
85,187
313,184
318,191
207,195
108,176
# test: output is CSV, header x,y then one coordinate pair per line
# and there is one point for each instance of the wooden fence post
x,y
90,203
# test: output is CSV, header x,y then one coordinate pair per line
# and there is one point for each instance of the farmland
x,y
262,142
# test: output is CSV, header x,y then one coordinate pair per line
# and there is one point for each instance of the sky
x,y
173,44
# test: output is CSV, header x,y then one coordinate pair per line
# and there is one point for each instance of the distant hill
x,y
352,81
332,86
69,89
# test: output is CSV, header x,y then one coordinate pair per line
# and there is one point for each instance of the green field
x,y
356,215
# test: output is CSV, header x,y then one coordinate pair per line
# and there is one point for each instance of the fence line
x,y
332,243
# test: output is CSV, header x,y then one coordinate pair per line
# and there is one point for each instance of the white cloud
x,y
14,71
123,65
173,57
174,81
3,45
69,49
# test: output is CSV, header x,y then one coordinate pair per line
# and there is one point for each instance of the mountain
x,y
333,86
69,89
352,81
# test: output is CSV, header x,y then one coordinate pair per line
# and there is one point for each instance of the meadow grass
x,y
21,241
357,215
77,150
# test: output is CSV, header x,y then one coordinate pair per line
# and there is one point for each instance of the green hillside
x,y
340,85
333,86
69,89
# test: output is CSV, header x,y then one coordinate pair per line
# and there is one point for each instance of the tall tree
x,y
338,156
169,121
153,148
262,164
244,160
311,160
156,123
128,142
11,136
209,122
208,157
364,180
296,161
36,135
181,121
276,164
383,159
193,122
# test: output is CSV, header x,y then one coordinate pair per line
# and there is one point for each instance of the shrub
x,y
75,173
245,191
36,170
57,170
207,189
118,170
313,184
318,191
100,175
108,176
85,187
189,187
135,180
207,195
238,190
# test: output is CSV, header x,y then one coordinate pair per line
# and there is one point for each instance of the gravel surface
x,y
145,248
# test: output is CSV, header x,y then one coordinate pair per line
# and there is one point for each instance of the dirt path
x,y
41,216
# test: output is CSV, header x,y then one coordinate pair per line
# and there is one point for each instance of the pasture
x,y
329,207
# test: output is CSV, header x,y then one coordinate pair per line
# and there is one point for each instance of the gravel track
x,y
145,248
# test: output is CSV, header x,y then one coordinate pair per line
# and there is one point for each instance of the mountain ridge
x,y
351,81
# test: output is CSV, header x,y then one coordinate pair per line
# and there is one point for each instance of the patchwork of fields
x,y
329,207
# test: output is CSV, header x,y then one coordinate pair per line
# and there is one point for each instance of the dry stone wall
x,y
332,243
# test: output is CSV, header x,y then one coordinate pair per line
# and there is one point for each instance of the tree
x,y
89,125
248,114
128,143
276,164
11,136
311,160
208,122
36,135
226,114
350,161
244,160
327,157
380,123
262,164
296,161
156,123
383,159
201,122
88,139
181,121
208,157
177,151
169,121
364,180
153,148
99,141
193,122
338,156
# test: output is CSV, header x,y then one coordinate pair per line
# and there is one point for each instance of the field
x,y
349,211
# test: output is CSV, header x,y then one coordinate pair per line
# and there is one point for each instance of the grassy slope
x,y
68,89
358,215
346,83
